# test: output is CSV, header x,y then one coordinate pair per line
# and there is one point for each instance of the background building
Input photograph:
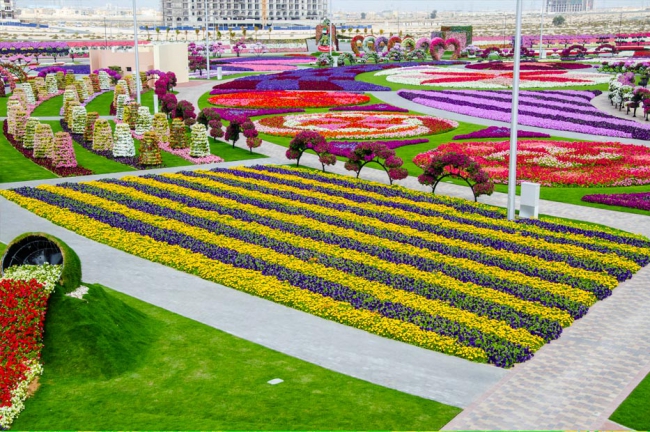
x,y
7,9
569,5
241,12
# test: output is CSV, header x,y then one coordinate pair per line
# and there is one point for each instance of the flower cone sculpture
x,y
67,114
122,100
70,93
51,84
88,85
68,79
91,118
143,123
161,126
79,117
103,79
21,123
81,90
130,82
30,130
177,136
119,90
132,118
123,145
150,150
199,145
94,81
60,80
63,151
102,136
43,141
29,93
13,105
19,92
41,88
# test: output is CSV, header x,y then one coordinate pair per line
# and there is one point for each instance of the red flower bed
x,y
287,99
22,314
558,163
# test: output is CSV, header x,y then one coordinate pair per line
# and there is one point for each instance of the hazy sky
x,y
462,5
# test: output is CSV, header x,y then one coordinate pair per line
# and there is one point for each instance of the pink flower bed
x,y
185,154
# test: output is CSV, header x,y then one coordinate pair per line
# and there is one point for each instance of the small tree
x,y
234,129
433,14
558,21
250,132
177,136
185,109
376,152
309,140
363,15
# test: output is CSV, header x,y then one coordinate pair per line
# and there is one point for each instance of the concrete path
x,y
344,349
603,104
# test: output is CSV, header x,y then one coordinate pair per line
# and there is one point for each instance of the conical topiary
x,y
177,136
150,150
91,118
21,122
143,123
199,145
122,100
28,91
79,117
104,80
30,130
132,118
118,90
19,93
67,112
63,151
102,136
60,80
50,83
161,126
69,79
43,141
41,88
13,105
94,81
81,90
88,84
123,145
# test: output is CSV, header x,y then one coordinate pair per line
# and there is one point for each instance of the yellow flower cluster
x,y
242,279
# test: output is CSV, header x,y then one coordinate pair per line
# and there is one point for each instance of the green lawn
x,y
16,167
634,412
370,77
116,363
49,108
102,103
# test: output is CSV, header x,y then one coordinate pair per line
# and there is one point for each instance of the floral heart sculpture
x,y
437,48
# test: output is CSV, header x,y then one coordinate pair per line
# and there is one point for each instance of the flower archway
x,y
612,49
567,52
357,45
381,44
423,44
12,73
408,43
457,47
393,40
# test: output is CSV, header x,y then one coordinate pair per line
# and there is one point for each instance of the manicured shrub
x,y
376,152
309,140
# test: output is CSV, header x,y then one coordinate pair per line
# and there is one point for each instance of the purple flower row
x,y
583,118
373,107
230,113
463,206
494,243
339,78
640,259
544,328
499,132
500,352
639,201
344,148
76,69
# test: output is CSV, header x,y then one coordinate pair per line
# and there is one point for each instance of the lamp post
x,y
207,42
105,35
331,35
512,169
137,56
542,52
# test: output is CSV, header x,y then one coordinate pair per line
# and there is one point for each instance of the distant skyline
x,y
462,5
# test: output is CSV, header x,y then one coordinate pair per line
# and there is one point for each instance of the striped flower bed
x,y
443,274
567,110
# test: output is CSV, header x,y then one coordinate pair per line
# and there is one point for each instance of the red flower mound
x,y
288,99
558,163
22,314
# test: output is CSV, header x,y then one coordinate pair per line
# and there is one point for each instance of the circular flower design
x,y
527,66
355,125
467,78
288,99
559,163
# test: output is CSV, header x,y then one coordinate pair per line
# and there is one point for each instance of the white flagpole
x,y
512,173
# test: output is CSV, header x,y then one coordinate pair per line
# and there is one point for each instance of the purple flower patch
x,y
374,107
344,148
639,201
499,132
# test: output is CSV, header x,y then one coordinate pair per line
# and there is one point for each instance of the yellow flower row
x,y
451,200
473,290
249,281
378,290
576,251
532,261
452,211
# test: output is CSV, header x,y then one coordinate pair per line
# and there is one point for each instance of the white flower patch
x,y
46,274
18,395
79,293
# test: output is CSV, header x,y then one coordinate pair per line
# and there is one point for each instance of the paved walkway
x,y
343,349
603,104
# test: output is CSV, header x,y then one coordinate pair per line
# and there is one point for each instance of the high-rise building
x,y
7,9
192,12
569,5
